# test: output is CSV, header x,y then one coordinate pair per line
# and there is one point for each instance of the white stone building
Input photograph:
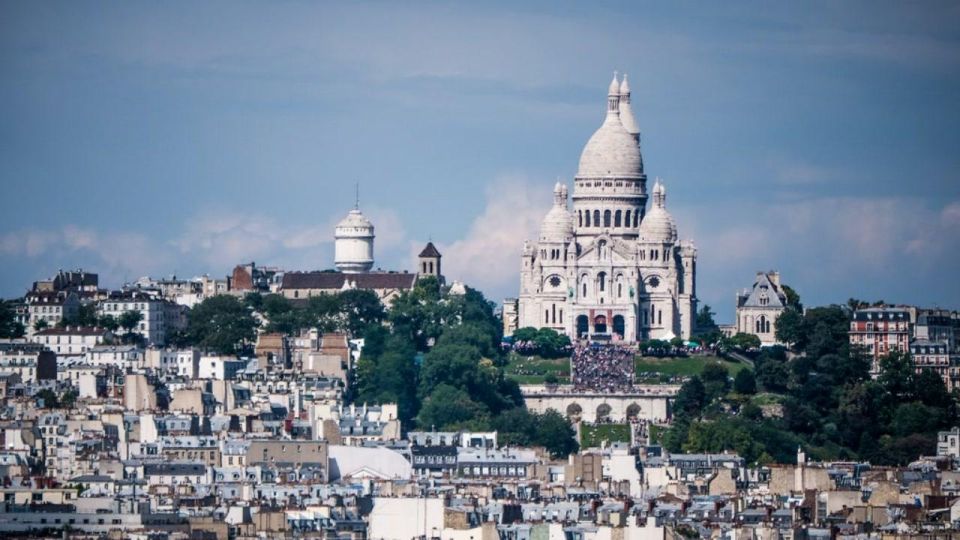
x,y
759,306
159,316
72,340
51,307
609,269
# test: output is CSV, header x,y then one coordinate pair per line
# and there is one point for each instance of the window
x,y
626,220
596,218
601,281
606,218
588,218
616,219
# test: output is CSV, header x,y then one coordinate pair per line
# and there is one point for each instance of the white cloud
x,y
488,257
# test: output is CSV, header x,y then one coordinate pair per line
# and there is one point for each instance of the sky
x,y
820,139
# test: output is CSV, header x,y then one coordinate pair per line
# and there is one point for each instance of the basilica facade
x,y
609,269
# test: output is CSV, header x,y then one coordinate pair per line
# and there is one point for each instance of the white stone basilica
x,y
609,269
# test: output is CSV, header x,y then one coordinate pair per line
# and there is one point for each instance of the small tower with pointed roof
x,y
429,262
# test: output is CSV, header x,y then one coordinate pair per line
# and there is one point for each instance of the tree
x,y
221,323
109,322
745,382
716,381
9,327
691,398
789,324
129,320
555,433
705,322
448,408
793,299
40,324
361,309
86,315
744,342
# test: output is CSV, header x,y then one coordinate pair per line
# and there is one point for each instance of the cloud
x,y
488,257
849,245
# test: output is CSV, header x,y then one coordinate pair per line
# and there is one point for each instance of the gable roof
x,y
763,287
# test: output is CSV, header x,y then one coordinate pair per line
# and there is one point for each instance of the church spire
x,y
613,97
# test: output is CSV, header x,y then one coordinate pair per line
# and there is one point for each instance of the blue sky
x,y
820,139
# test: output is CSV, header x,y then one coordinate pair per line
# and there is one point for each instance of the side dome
x,y
657,226
611,151
557,225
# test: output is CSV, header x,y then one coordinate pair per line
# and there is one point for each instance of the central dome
x,y
612,151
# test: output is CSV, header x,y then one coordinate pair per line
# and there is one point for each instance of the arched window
x,y
584,289
601,280
596,218
636,219
606,218
588,218
659,316
620,290
626,219
616,219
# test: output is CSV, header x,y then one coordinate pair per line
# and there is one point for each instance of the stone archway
x,y
618,326
574,412
633,412
600,324
603,413
583,326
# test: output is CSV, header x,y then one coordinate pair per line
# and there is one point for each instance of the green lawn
x,y
534,370
767,398
651,369
591,435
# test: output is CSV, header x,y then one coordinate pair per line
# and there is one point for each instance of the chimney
x,y
775,278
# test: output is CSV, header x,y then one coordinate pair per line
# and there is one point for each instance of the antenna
x,y
356,203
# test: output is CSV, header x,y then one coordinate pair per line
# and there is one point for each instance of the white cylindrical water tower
x,y
353,244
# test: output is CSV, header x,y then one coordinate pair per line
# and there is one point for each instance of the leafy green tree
x,y
744,342
9,327
789,326
722,434
705,322
129,320
716,380
40,324
109,322
221,323
554,432
86,315
49,397
361,309
387,373
470,334
515,427
772,374
745,382
793,299
691,398
447,408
